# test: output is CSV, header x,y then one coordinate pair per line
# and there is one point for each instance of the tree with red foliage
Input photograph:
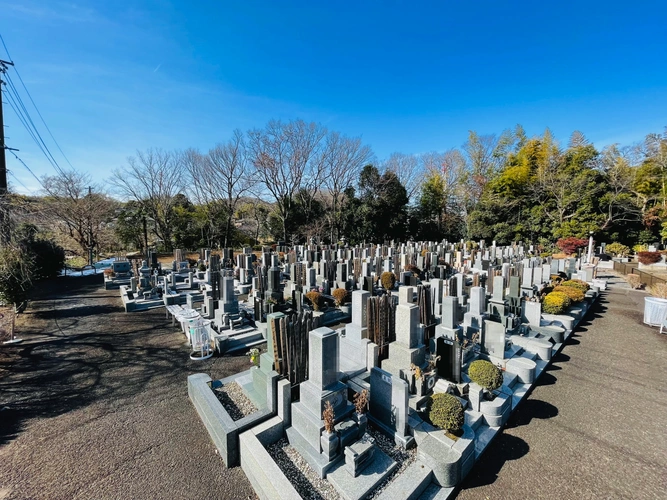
x,y
571,244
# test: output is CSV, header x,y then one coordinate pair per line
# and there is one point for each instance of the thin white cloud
x,y
67,12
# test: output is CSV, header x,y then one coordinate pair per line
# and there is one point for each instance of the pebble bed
x,y
234,401
309,485
297,471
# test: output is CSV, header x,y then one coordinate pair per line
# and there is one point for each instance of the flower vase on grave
x,y
362,422
329,441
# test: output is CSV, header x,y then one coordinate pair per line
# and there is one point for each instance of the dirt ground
x,y
94,405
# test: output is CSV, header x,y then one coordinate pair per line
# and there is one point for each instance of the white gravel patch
x,y
234,401
304,479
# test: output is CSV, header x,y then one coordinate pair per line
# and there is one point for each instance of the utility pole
x,y
90,232
4,205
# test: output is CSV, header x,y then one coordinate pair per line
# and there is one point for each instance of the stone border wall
x,y
223,430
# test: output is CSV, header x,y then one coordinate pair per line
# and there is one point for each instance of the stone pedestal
x,y
323,385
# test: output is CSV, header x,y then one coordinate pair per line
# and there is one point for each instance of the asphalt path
x,y
595,425
94,406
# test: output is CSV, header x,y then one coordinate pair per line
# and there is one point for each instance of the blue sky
x,y
113,77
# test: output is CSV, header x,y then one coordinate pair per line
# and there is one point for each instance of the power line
x,y
37,137
18,180
27,167
35,106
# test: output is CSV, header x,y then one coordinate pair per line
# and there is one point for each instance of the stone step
x,y
410,484
483,438
528,355
238,331
416,402
473,419
248,345
509,379
435,492
247,336
441,386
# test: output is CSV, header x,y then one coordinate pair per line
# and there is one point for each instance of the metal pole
x,y
4,205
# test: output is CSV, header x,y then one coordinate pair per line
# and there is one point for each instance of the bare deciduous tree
x,y
223,176
288,161
77,208
343,159
153,178
408,170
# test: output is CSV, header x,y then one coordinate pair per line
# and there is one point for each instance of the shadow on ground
x,y
80,347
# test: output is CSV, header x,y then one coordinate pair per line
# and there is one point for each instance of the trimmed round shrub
x,y
202,267
617,249
445,411
578,284
555,303
648,258
315,299
340,296
486,374
388,280
575,294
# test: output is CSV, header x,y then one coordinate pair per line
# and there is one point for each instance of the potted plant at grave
x,y
360,408
329,439
315,299
486,375
253,354
388,280
108,273
445,411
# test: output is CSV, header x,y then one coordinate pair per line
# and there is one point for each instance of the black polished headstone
x,y
448,365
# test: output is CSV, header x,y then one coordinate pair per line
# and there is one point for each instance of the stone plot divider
x,y
224,431
263,473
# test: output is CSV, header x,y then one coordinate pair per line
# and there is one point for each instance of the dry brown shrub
x,y
658,290
634,281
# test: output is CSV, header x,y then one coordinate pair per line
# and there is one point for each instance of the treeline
x,y
296,181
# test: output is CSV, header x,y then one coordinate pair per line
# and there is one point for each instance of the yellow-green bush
x,y
445,411
388,280
617,249
555,303
486,374
575,294
581,285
